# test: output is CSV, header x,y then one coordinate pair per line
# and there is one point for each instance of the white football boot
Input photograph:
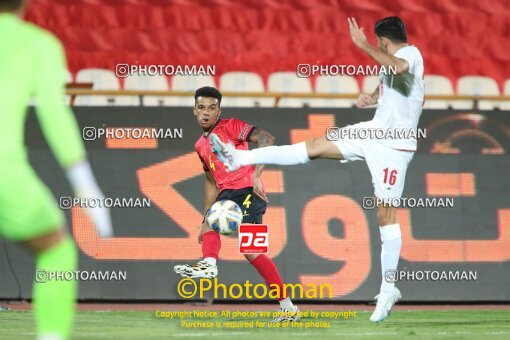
x,y
226,152
202,269
285,314
385,303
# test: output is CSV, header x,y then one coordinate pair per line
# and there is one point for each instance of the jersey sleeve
x,y
240,130
204,165
57,120
409,54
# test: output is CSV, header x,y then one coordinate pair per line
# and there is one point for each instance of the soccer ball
x,y
224,217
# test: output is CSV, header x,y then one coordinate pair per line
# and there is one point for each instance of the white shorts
x,y
387,166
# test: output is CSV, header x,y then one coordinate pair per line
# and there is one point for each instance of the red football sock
x,y
211,244
267,269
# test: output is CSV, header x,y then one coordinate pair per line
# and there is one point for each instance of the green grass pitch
x,y
415,324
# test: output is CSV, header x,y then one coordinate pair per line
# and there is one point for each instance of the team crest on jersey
x,y
211,164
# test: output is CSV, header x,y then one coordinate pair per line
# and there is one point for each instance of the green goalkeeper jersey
x,y
32,65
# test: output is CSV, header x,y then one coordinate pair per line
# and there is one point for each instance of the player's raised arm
x,y
262,138
62,132
381,55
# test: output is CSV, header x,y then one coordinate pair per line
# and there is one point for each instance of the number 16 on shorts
x,y
253,238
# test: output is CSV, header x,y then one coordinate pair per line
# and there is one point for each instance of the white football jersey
x,y
401,100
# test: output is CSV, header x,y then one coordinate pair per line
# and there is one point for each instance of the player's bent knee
x,y
313,148
251,257
322,148
44,242
206,226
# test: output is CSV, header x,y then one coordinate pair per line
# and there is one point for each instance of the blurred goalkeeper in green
x,y
32,64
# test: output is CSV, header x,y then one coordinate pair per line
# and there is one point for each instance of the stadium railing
x,y
74,91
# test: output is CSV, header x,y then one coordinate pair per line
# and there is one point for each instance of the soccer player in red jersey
x,y
243,186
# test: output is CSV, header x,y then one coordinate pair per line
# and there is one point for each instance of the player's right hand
x,y
365,100
258,188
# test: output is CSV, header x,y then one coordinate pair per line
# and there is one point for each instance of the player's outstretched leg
x,y
267,269
299,153
206,268
283,155
390,254
54,300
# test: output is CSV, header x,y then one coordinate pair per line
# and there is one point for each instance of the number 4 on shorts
x,y
247,202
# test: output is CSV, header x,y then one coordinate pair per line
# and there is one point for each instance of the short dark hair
x,y
207,91
11,5
392,28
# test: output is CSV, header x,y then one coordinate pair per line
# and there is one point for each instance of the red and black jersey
x,y
238,133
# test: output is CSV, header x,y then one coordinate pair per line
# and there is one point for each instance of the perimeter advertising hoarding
x,y
319,231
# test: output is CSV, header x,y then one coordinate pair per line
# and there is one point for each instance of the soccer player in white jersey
x,y
399,100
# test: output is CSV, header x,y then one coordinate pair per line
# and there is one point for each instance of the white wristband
x,y
84,186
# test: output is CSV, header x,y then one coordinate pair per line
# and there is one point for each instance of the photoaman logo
x,y
188,288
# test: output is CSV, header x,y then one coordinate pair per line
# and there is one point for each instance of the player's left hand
x,y
257,188
357,35
201,232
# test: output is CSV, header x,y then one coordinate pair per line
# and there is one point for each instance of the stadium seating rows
x,y
287,82
456,37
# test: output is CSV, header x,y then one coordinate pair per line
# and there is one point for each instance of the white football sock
x,y
286,303
282,155
210,260
391,243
